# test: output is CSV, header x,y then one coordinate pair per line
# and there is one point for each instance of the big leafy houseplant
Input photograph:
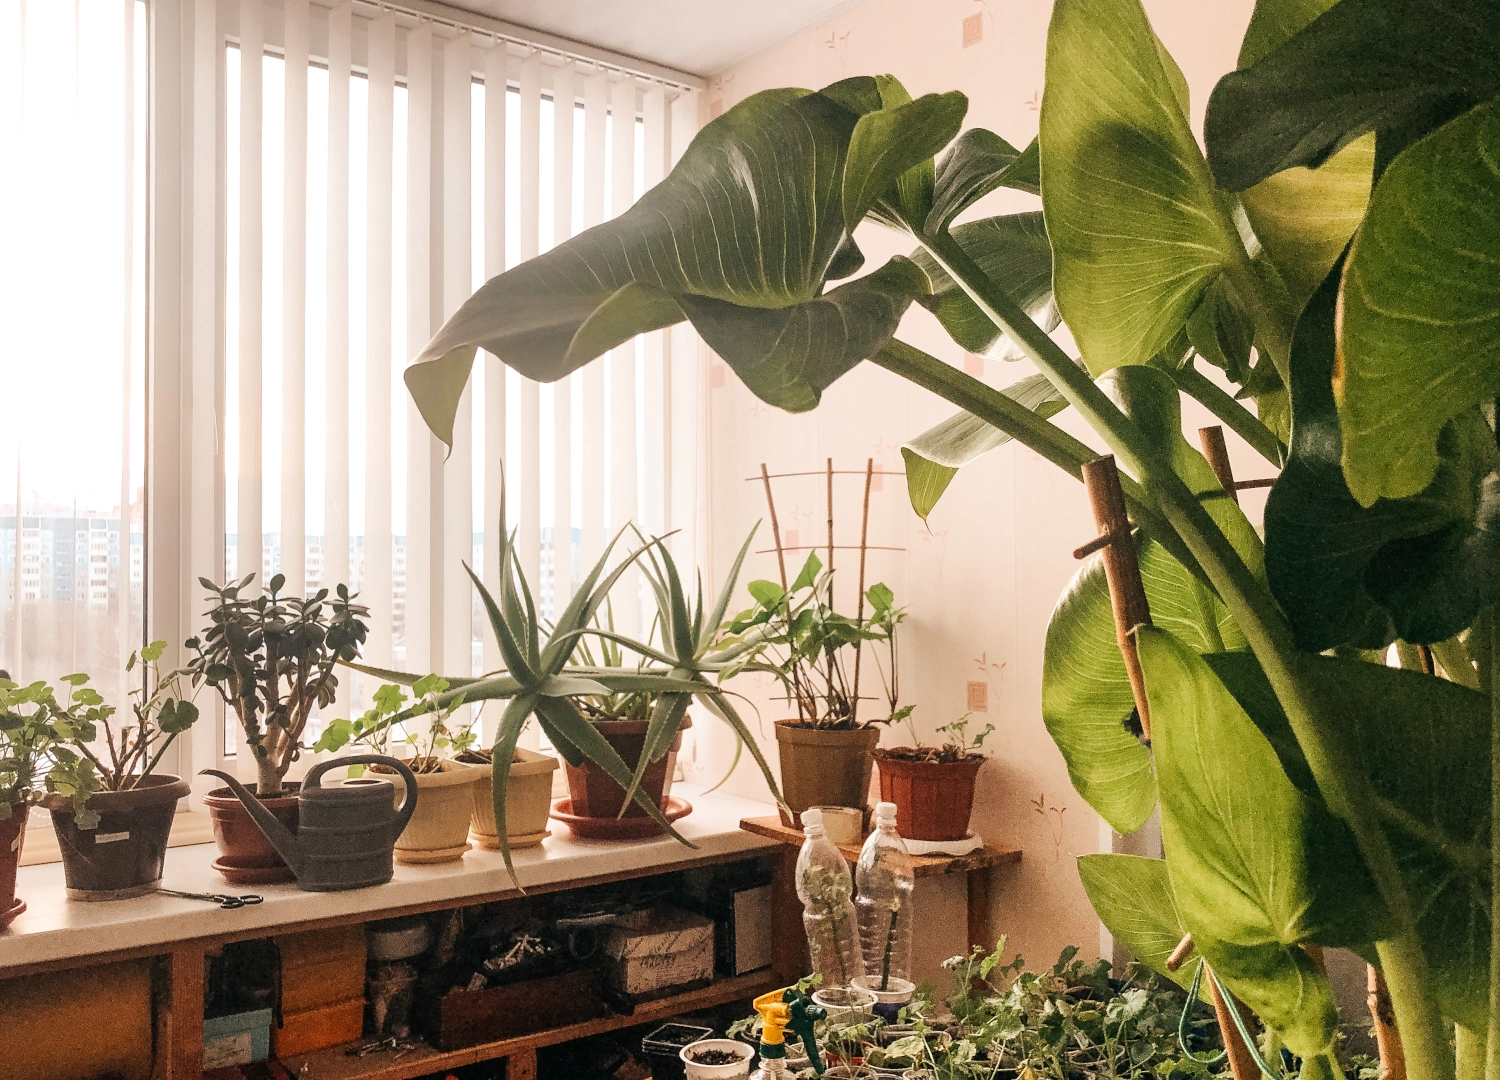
x,y
1335,256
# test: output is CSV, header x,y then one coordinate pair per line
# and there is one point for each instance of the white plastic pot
x,y
528,800
439,830
888,1002
739,1070
846,1004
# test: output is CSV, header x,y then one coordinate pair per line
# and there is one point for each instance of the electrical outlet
x,y
979,697
974,29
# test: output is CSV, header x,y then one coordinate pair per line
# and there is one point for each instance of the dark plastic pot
x,y
664,1045
122,856
933,798
12,832
595,793
246,857
824,768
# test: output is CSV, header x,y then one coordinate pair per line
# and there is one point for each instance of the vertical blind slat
x,y
529,542
656,414
592,475
685,386
294,302
458,469
129,633
623,449
376,586
248,523
496,82
423,529
563,101
336,361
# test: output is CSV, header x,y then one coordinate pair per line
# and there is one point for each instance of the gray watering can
x,y
345,831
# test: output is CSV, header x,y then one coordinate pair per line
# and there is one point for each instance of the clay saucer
x,y
6,917
610,828
237,873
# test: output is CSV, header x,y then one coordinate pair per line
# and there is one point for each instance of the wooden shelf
x,y
923,865
335,1064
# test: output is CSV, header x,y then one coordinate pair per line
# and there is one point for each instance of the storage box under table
x,y
663,948
463,1017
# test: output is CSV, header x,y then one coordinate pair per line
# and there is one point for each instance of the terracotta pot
x,y
933,798
12,833
246,857
595,793
824,768
528,798
123,855
439,828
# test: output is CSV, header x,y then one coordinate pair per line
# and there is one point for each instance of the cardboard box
x,y
46,1017
668,948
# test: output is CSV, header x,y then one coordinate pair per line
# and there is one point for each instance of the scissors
x,y
224,900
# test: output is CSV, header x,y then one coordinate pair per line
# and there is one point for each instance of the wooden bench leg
x,y
180,1016
521,1066
979,909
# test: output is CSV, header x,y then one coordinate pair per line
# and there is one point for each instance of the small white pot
x,y
528,800
739,1070
889,1002
846,1004
439,829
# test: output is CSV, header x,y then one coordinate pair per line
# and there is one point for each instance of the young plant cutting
x,y
1334,256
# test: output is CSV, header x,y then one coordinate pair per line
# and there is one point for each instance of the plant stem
x,y
1469,1050
1239,419
1347,790
890,942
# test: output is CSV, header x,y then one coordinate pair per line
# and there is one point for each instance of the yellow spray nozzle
x,y
775,1013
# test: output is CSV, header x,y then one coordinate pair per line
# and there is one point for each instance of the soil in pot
x,y
12,833
439,828
933,797
824,766
528,798
595,794
246,857
123,855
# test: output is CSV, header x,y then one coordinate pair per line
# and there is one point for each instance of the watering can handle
x,y
408,804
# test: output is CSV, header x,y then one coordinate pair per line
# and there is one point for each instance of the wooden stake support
x,y
1121,570
1387,1038
775,525
864,548
1217,453
1241,1063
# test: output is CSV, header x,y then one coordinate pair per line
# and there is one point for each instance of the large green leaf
x,y
1133,898
979,162
1417,567
1014,253
934,457
1424,744
752,216
891,152
1136,226
1398,67
1086,696
1235,832
1419,338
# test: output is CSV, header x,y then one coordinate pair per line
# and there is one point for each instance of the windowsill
x,y
40,845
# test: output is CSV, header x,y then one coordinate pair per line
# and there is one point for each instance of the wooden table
x,y
57,934
974,866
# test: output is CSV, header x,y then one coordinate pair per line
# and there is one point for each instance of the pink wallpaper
x,y
980,580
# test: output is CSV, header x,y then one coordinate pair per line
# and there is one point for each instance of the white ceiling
x,y
700,37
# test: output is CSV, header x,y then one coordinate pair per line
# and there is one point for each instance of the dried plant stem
x,y
859,614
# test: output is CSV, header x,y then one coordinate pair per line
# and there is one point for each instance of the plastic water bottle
x,y
826,892
884,905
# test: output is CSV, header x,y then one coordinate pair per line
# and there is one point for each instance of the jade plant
x,y
161,708
1335,258
272,658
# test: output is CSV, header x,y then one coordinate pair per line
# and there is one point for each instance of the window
x,y
73,198
372,202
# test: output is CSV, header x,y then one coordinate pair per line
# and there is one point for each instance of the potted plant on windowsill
x,y
795,635
271,658
439,828
29,716
113,814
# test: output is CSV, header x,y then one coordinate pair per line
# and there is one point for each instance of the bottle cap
x,y
885,813
812,818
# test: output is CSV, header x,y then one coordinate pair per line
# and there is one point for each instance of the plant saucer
x,y
613,828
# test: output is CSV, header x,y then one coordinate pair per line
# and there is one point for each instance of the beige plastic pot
x,y
439,830
528,799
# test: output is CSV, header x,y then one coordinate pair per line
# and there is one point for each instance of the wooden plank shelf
x,y
335,1064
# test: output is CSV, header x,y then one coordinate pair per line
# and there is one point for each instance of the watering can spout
x,y
279,835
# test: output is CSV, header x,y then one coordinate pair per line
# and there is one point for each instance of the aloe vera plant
x,y
1334,257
